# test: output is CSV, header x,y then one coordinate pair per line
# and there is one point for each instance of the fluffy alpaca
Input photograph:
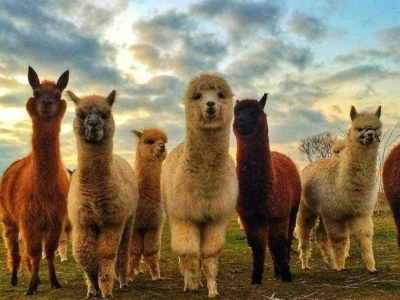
x,y
150,215
337,148
199,182
391,185
102,198
34,189
269,190
342,193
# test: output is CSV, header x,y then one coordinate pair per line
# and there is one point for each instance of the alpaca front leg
x,y
323,243
123,254
339,238
10,235
185,241
151,252
363,230
212,241
135,255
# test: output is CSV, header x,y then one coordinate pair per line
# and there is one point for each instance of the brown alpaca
x,y
150,215
34,188
391,185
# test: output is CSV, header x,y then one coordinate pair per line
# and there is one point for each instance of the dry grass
x,y
234,276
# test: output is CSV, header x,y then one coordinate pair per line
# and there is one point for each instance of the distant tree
x,y
317,146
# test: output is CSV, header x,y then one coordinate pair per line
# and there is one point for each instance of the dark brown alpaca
x,y
34,189
391,185
269,190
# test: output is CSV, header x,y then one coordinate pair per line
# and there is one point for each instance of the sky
x,y
315,59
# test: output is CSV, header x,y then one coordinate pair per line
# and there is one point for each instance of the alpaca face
x,y
366,128
248,114
47,95
151,144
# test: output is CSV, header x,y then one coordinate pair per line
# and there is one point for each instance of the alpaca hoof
x,y
287,278
342,270
124,286
255,282
158,279
373,271
306,269
93,294
14,281
30,292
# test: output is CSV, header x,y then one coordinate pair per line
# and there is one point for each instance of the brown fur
x,y
34,188
341,193
150,215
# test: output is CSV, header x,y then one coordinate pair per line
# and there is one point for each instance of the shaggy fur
x,y
269,190
199,182
102,198
342,193
391,185
34,189
150,215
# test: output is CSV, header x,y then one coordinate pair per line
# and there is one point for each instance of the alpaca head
x,y
338,147
366,128
46,101
94,121
151,144
208,102
249,116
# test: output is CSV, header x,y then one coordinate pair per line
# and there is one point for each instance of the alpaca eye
x,y
221,95
36,94
360,129
197,96
103,116
150,142
81,115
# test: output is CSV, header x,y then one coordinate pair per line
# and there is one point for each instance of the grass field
x,y
234,274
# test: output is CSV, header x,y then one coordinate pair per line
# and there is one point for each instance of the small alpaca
x,y
338,147
102,198
150,215
391,185
199,183
269,190
34,189
342,194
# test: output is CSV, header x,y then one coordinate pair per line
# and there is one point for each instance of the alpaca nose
x,y
210,103
162,148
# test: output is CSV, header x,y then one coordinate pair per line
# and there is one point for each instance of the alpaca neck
x,y
148,173
46,155
94,161
207,147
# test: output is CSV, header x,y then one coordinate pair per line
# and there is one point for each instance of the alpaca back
x,y
391,176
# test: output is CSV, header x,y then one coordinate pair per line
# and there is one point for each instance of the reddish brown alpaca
x,y
34,188
269,190
391,185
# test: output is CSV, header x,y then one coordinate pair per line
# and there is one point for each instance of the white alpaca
x,y
341,192
102,198
199,183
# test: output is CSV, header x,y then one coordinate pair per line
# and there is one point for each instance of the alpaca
x,y
102,198
34,189
150,215
269,190
342,194
199,183
391,185
337,148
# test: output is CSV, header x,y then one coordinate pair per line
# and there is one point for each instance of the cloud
x,y
308,26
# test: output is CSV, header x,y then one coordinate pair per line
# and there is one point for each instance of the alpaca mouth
x,y
211,111
93,135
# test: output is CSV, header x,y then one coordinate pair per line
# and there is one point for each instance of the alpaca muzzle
x,y
369,136
94,128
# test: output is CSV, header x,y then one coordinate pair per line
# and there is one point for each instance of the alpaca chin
x,y
94,136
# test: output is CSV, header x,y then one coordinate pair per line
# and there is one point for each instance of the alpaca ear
x,y
73,97
111,98
33,78
137,133
378,112
63,80
353,113
263,100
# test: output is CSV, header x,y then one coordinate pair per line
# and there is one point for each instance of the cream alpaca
x,y
102,198
342,193
150,215
199,183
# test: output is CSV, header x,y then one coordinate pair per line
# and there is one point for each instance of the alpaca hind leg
x,y
10,235
257,240
123,254
212,242
63,246
305,222
363,230
323,243
338,235
107,251
185,241
135,254
51,243
151,254
277,243
292,225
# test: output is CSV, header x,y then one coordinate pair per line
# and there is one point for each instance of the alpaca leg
x,y
395,208
257,240
323,243
84,252
292,225
33,249
338,235
123,254
305,222
212,241
363,230
10,235
107,251
51,243
135,254
185,241
151,254
277,243
63,246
